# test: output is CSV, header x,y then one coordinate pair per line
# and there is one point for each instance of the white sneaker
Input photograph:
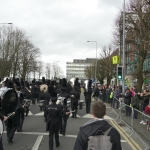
x,y
141,122
144,123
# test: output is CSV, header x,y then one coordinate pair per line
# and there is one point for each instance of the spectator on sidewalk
x,y
135,103
96,93
103,94
108,91
111,97
127,101
144,103
116,98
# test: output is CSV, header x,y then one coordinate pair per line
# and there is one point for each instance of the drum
x,y
41,103
9,100
1,128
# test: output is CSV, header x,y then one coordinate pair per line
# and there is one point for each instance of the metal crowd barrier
x,y
132,119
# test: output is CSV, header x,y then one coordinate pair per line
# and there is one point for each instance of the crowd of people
x,y
140,101
56,112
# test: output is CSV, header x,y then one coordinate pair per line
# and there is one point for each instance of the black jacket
x,y
87,94
54,115
47,98
127,98
91,128
144,102
96,92
1,116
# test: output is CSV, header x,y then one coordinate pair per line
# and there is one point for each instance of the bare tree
x,y
17,54
137,36
5,51
28,59
57,71
105,64
89,71
39,68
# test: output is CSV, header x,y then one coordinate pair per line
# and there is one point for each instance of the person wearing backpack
x,y
98,129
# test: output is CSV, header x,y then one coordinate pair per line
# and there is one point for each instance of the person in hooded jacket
x,y
94,125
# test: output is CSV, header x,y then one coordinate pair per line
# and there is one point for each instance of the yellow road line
x,y
125,136
135,143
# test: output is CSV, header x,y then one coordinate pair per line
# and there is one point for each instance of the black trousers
x,y
12,126
135,114
20,118
74,107
61,126
88,105
64,125
128,110
1,144
53,130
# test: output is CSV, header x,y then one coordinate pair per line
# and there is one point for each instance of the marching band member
x,y
54,115
75,96
65,116
2,118
20,109
87,94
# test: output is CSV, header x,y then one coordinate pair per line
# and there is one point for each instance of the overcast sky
x,y
61,28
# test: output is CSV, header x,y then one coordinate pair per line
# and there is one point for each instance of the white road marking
x,y
85,116
37,143
41,134
30,113
39,114
76,115
123,141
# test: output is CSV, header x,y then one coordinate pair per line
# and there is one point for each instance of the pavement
x,y
35,137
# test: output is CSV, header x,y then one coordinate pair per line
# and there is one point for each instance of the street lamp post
x,y
123,51
95,61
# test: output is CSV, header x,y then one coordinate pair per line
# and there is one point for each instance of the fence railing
x,y
136,121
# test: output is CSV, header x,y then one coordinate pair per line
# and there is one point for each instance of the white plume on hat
x,y
44,88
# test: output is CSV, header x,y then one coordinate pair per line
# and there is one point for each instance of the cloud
x,y
61,28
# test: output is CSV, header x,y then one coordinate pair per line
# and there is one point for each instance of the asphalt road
x,y
35,137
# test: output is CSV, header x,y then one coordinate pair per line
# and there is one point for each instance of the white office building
x,y
76,68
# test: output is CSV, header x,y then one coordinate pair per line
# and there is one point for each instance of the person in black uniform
x,y
75,96
20,109
34,91
47,97
54,115
11,123
87,94
65,116
3,118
